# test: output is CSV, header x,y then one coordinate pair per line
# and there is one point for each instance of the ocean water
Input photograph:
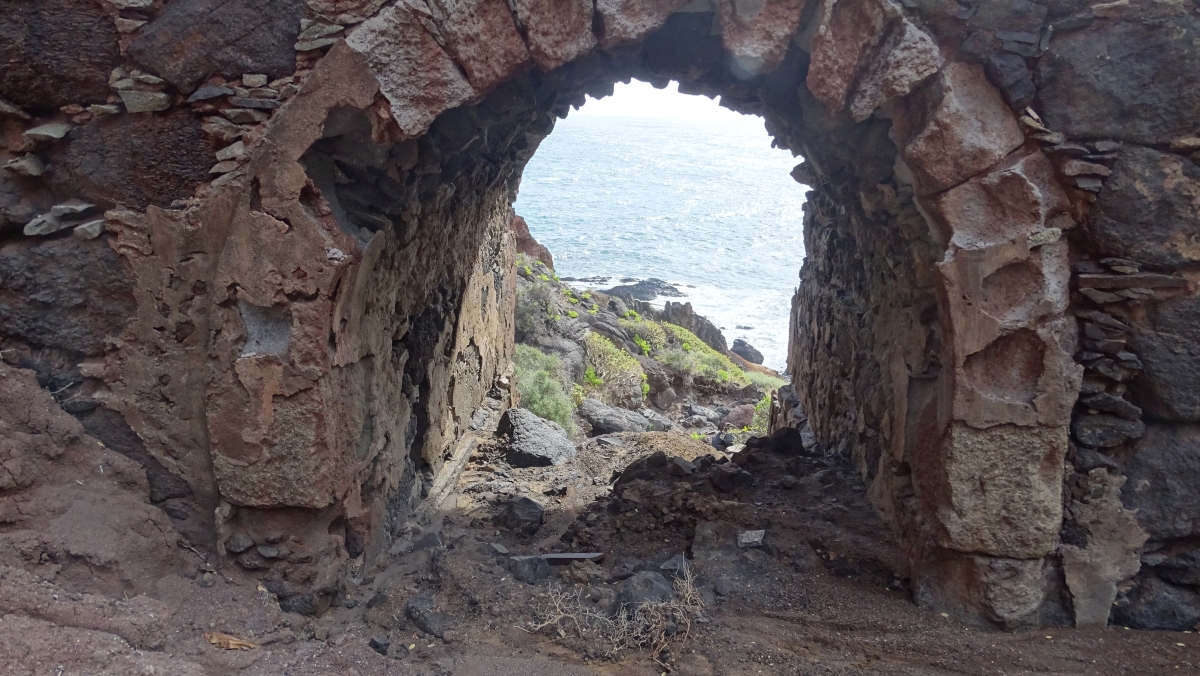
x,y
707,205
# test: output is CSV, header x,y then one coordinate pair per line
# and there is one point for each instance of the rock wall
x,y
267,255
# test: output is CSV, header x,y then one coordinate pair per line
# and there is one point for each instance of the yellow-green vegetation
x,y
544,277
765,381
611,363
632,314
649,335
591,379
572,314
594,309
762,413
645,386
705,362
542,392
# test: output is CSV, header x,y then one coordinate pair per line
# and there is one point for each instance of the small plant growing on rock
x,y
594,309
572,314
710,364
620,371
544,277
645,386
632,314
641,342
591,379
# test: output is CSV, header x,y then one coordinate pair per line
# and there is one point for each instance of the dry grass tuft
x,y
653,625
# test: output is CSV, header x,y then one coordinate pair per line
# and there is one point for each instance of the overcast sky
x,y
639,99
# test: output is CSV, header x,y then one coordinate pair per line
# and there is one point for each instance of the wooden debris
x,y
227,642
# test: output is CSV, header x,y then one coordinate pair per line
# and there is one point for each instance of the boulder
x,y
739,417
658,422
1170,355
728,477
644,587
607,420
521,515
1155,604
421,612
534,442
682,314
707,414
746,351
529,569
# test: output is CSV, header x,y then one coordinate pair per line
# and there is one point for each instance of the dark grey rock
x,y
1105,431
432,540
1141,95
107,159
56,52
380,644
1146,206
607,420
788,482
728,477
273,551
529,569
675,567
377,600
421,612
1111,403
65,293
534,441
1087,460
725,586
658,422
521,515
708,414
723,440
1163,484
646,289
1009,15
1180,567
746,351
681,467
645,586
209,92
1155,604
238,543
193,40
1170,353
683,315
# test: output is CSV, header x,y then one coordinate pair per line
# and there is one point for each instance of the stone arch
x,y
374,206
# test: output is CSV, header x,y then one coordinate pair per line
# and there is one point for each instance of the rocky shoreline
x,y
627,366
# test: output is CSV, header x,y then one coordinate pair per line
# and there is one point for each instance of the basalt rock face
x,y
293,282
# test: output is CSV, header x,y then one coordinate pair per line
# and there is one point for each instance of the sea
x,y
707,205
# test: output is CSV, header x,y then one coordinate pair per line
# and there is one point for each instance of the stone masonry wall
x,y
264,251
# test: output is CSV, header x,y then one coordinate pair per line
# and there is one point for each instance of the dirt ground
x,y
94,581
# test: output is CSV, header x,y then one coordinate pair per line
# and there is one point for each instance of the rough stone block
x,y
556,31
195,39
848,31
756,33
534,442
1158,605
137,160
482,38
417,76
55,52
1148,209
64,293
953,127
625,21
907,57
1123,80
1001,491
1164,481
1009,203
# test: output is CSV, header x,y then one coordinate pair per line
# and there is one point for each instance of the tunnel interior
x,y
299,344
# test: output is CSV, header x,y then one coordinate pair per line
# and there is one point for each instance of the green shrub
x,y
594,309
765,381
650,333
572,314
611,362
577,393
542,392
533,307
632,314
641,343
678,360
710,364
762,411
544,277
591,379
645,386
